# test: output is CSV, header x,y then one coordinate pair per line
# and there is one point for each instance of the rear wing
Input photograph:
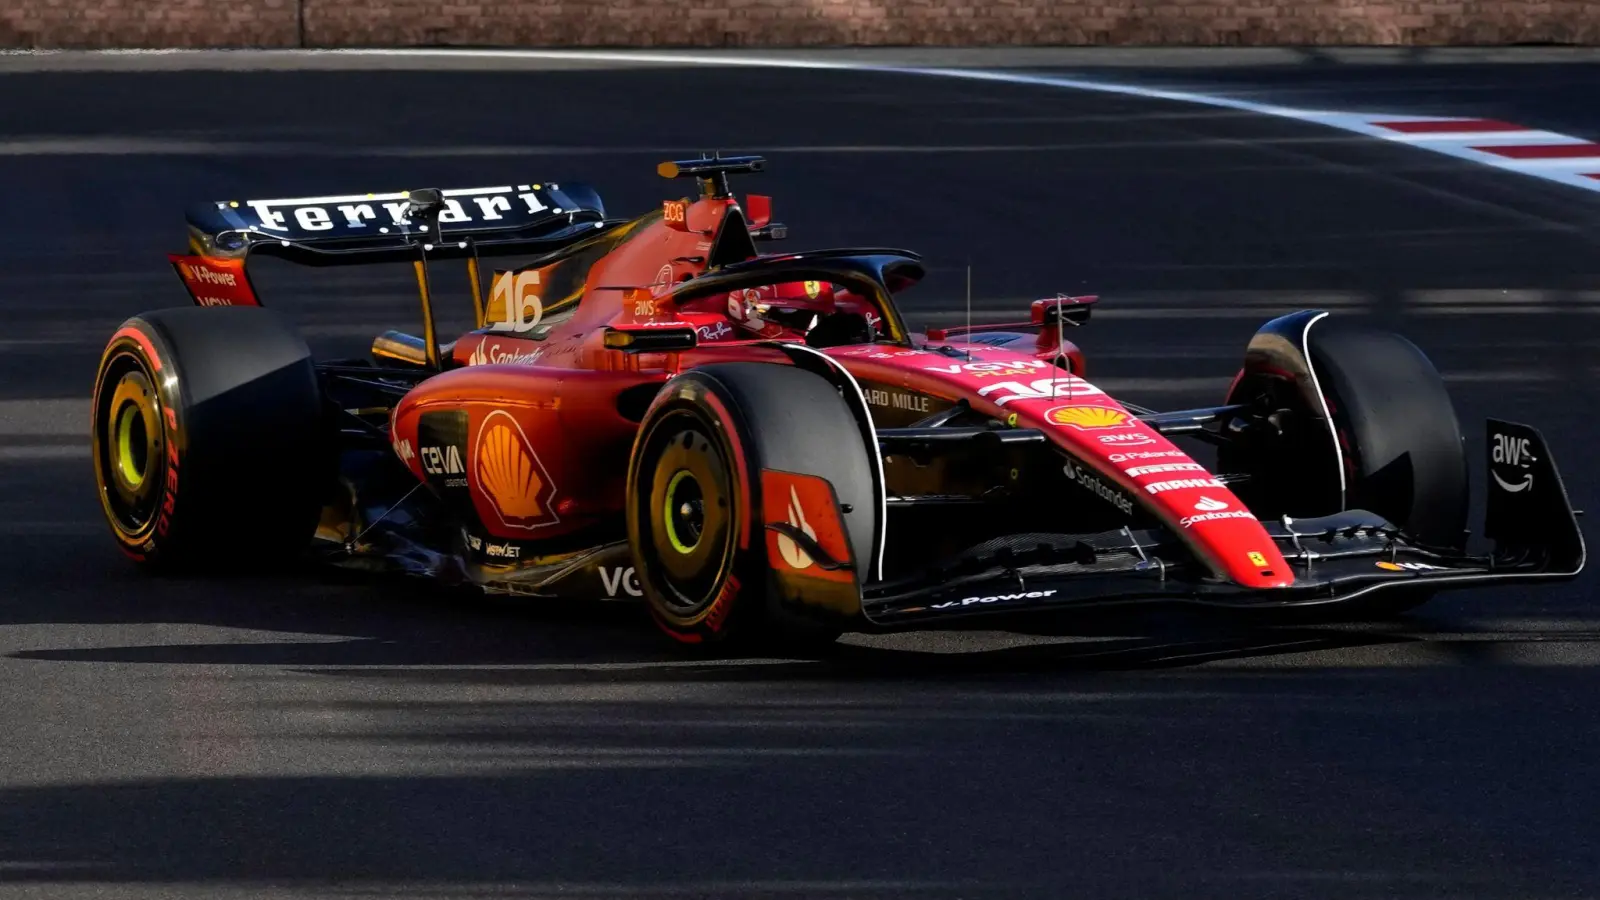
x,y
367,228
415,226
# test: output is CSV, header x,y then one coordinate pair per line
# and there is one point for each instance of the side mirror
x,y
1065,310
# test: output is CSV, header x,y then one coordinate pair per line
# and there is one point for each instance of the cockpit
x,y
823,313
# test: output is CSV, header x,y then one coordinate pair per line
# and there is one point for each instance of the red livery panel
x,y
215,281
1110,451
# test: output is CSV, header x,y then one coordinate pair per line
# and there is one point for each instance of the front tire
x,y
694,499
209,442
1396,447
687,508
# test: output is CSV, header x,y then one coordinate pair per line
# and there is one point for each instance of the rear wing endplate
x,y
213,281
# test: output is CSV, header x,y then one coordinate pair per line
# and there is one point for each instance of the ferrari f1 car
x,y
756,444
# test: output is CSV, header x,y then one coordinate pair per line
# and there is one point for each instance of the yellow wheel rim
x,y
130,448
132,457
674,512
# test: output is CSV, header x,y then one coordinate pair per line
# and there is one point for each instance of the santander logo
x,y
792,554
1211,509
491,354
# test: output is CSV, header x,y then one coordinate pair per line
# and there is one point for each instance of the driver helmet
x,y
775,308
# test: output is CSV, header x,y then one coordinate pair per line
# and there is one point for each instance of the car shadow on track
x,y
385,629
321,620
555,782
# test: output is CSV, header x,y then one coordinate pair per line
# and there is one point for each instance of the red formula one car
x,y
756,444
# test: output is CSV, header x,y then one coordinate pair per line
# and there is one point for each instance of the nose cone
x,y
1242,549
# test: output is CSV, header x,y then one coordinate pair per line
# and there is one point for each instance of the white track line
x,y
1568,160
1496,144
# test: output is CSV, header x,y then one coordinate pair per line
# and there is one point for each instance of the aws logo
x,y
1516,453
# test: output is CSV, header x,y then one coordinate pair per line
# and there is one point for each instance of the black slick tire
x,y
210,443
1401,453
700,449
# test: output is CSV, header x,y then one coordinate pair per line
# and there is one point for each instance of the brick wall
x,y
780,23
148,23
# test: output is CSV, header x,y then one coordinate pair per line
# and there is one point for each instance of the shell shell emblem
x,y
511,476
1088,418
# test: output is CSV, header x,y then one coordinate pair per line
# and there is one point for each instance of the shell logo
x,y
511,476
1088,418
188,273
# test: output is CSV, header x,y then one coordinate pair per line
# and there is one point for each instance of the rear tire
x,y
210,444
694,490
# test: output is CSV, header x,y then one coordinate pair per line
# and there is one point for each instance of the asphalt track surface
x,y
317,737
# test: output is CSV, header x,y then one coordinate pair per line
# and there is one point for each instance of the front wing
x,y
1335,559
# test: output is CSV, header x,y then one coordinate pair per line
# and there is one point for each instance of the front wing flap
x,y
1334,559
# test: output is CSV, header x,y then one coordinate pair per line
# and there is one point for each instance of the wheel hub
x,y
685,514
688,535
130,450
